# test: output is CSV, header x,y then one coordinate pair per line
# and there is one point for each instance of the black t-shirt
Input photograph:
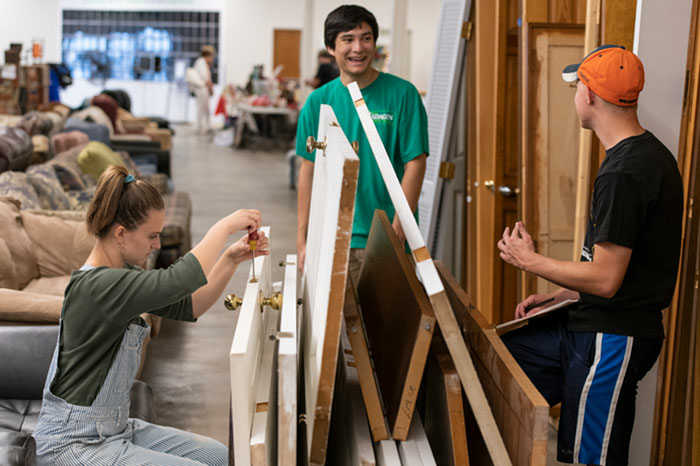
x,y
327,72
637,203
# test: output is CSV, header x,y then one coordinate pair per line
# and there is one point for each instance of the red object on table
x,y
221,107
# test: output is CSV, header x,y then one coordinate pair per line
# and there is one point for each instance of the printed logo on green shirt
x,y
382,117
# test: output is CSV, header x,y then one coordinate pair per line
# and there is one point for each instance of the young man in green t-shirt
x,y
350,34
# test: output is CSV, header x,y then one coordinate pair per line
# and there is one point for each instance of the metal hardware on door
x,y
274,301
507,191
232,302
312,144
447,170
490,185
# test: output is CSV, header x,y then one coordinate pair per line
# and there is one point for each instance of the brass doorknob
x,y
274,301
312,144
232,302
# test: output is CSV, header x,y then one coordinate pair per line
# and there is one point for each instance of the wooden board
x,y
399,321
427,272
287,367
444,411
325,275
245,357
355,329
520,410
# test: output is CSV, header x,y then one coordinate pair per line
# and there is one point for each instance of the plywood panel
x,y
520,411
399,321
288,367
357,336
325,275
245,356
444,411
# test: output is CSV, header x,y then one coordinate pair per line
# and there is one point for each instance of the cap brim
x,y
570,73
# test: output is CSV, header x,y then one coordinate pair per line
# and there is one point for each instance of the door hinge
x,y
467,30
447,170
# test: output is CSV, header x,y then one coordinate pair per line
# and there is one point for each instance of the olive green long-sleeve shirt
x,y
100,304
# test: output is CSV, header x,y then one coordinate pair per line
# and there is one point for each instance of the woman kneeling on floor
x,y
84,416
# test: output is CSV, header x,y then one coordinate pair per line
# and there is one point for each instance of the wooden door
x,y
325,275
253,380
497,154
552,155
449,234
287,43
288,367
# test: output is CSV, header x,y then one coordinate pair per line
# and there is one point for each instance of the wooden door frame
x,y
674,318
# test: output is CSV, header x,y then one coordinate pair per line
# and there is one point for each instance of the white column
x,y
308,51
399,50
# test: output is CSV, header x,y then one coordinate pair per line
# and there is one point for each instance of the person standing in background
x,y
327,70
202,93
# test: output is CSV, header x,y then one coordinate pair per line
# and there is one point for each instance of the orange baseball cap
x,y
612,72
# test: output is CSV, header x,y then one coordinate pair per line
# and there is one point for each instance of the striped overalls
x,y
103,434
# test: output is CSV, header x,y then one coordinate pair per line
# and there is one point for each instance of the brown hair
x,y
117,202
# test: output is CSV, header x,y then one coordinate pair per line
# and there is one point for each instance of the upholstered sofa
x,y
22,378
61,184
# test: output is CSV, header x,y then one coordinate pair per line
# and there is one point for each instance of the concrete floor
x,y
187,364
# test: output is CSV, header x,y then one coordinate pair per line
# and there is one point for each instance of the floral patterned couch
x,y
60,185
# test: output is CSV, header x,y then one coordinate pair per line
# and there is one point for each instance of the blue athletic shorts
x,y
594,376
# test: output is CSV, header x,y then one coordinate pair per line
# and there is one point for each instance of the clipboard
x,y
511,325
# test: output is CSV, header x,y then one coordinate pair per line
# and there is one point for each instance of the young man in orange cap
x,y
591,357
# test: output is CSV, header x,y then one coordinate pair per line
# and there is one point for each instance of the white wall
x,y
246,38
660,106
29,19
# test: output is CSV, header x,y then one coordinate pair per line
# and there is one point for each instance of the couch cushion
x,y
129,163
57,121
93,114
65,141
68,172
178,210
17,185
94,159
40,144
52,286
36,123
26,306
15,147
18,242
47,186
8,274
61,246
109,106
94,131
80,200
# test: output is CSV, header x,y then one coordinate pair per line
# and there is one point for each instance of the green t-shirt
x,y
400,118
99,305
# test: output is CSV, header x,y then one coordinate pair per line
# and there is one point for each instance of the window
x,y
140,45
